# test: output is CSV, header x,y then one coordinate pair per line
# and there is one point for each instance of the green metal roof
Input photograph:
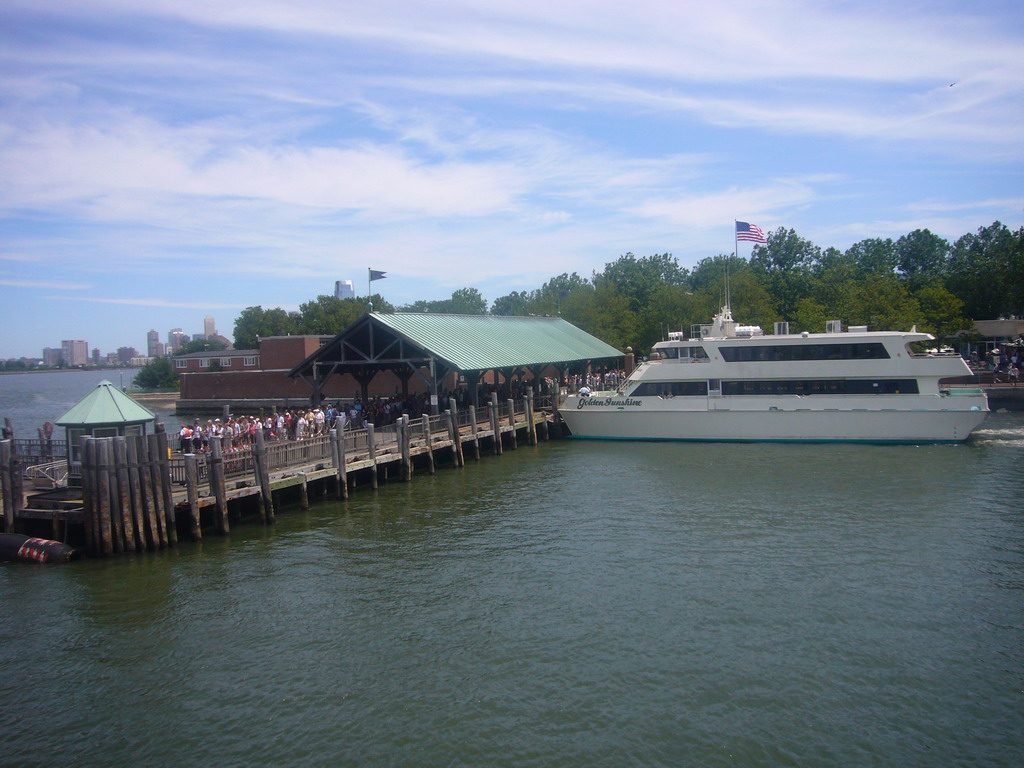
x,y
105,404
483,342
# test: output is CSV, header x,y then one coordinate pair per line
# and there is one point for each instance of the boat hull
x,y
619,418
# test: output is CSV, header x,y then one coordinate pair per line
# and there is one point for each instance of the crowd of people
x,y
607,381
1007,362
239,432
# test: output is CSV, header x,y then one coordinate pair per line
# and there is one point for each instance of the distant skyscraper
x,y
344,289
125,354
175,338
52,355
153,343
209,327
75,352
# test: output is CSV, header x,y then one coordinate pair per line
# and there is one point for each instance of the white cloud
x,y
151,302
54,285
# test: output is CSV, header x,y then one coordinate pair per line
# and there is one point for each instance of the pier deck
x,y
130,502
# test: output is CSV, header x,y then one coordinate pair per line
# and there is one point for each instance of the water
x,y
573,604
31,399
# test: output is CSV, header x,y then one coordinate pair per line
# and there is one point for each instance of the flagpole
x,y
369,288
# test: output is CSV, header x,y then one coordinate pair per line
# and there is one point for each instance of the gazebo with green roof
x,y
105,412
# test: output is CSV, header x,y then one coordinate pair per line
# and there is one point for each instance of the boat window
x,y
821,387
671,388
786,352
669,352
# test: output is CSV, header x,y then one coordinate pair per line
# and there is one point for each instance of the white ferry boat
x,y
732,382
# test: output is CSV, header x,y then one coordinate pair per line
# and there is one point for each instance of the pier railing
x,y
284,453
39,451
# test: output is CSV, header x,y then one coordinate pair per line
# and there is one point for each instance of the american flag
x,y
751,232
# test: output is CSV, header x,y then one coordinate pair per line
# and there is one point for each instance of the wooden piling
x,y
304,492
263,477
142,539
17,484
7,479
163,465
114,500
218,487
428,443
474,430
338,454
371,447
531,427
124,495
405,447
453,421
192,488
102,454
495,425
512,423
453,435
150,498
89,519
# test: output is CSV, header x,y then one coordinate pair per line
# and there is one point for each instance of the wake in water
x,y
1010,435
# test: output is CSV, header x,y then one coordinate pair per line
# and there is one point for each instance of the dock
x,y
137,494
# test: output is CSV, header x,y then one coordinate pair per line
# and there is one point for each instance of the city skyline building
x,y
175,338
74,352
153,343
344,289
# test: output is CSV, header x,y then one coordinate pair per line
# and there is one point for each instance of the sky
x,y
167,160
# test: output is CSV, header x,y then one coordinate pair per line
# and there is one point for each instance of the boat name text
x,y
608,401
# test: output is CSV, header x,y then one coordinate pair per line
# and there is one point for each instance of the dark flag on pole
x,y
375,274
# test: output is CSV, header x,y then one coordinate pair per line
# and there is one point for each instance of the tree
x,y
873,256
606,314
637,279
942,313
882,303
464,301
986,270
784,265
328,315
553,295
710,273
254,323
921,256
810,315
515,303
672,308
157,374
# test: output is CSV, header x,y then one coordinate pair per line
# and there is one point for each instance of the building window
x,y
249,361
180,363
225,362
204,362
